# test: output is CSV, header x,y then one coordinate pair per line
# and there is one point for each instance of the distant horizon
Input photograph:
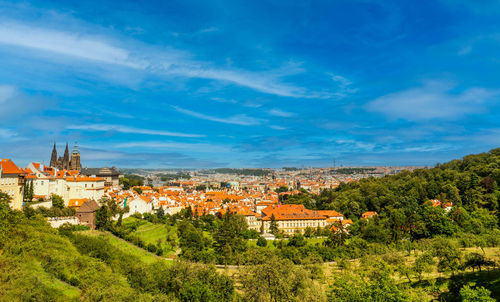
x,y
339,165
208,84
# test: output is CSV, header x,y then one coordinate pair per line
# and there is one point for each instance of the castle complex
x,y
64,162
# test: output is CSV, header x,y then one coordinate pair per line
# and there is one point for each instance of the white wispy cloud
x,y
126,129
65,43
266,83
7,133
165,61
281,113
197,147
277,127
433,100
240,119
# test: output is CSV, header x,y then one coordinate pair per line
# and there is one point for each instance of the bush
x,y
151,248
262,242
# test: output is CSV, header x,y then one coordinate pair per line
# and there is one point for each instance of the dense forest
x,y
412,251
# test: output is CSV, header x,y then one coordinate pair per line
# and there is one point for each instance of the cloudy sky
x,y
249,83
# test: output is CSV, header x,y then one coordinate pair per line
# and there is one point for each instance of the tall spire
x,y
53,158
66,158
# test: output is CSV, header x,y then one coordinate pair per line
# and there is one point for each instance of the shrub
x,y
262,242
151,248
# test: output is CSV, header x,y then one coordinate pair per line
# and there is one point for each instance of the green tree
x,y
273,227
228,236
103,218
262,242
448,253
30,194
469,293
281,189
477,261
5,215
125,183
352,287
28,191
336,237
160,213
423,264
297,240
57,201
138,190
309,232
275,279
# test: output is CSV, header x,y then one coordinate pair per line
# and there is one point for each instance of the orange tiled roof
x,y
369,214
290,212
9,167
76,203
330,213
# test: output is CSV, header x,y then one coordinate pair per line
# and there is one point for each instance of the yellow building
x,y
292,218
12,183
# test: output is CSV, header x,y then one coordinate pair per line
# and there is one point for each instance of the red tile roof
x,y
9,167
368,214
290,212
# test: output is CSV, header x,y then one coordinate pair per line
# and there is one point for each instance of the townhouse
x,y
12,183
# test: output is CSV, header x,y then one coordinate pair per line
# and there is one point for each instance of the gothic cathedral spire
x,y
66,158
53,158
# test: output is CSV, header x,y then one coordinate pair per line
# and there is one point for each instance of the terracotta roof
x,y
368,214
76,203
290,212
88,207
9,167
330,213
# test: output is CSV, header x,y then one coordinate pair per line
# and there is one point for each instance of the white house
x,y
140,204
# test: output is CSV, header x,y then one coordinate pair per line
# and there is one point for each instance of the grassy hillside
x,y
36,253
162,235
125,247
38,263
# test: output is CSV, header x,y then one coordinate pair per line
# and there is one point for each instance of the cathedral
x,y
65,162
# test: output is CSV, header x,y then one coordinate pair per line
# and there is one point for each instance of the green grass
x,y
150,233
69,292
124,246
26,279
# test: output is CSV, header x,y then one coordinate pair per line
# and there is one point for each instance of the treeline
x,y
131,180
246,172
176,176
352,170
468,186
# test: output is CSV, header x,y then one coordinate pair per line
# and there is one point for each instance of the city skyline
x,y
194,84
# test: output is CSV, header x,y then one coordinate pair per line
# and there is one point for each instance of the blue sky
x,y
249,83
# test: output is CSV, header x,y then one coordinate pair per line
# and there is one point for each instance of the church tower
x,y
53,158
65,163
75,159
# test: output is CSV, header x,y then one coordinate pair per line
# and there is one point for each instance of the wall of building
x,y
9,184
56,222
